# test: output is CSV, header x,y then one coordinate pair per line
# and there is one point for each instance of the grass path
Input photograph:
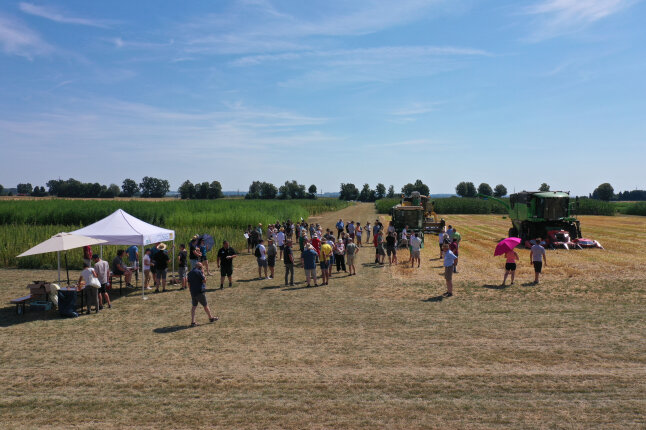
x,y
376,350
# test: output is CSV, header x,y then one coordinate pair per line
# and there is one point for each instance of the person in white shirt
x,y
415,245
261,257
537,256
441,237
147,274
280,241
91,293
102,270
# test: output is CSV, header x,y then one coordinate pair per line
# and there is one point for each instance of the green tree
x,y
471,190
348,192
603,192
418,186
129,188
461,189
500,191
292,190
311,192
154,187
1,189
254,190
364,195
268,191
391,192
215,190
187,190
202,190
380,191
485,189
24,188
544,187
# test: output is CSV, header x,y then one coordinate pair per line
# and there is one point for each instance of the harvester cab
x,y
417,212
545,214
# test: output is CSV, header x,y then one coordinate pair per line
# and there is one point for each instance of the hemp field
x,y
377,350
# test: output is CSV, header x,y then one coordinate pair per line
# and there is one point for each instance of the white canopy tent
x,y
121,228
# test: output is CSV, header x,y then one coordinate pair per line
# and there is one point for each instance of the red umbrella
x,y
506,245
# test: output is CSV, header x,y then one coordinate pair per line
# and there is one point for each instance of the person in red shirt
x,y
316,243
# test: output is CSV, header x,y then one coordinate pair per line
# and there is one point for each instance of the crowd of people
x,y
320,251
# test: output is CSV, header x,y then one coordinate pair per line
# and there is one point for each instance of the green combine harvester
x,y
545,214
417,212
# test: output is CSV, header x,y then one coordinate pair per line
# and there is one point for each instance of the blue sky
x,y
325,92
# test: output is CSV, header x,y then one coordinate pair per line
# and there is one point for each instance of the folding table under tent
x,y
121,228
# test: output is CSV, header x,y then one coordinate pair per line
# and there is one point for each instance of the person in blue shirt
x,y
133,256
308,259
197,287
339,228
450,260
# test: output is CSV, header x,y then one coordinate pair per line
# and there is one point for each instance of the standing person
x,y
359,233
511,257
197,283
339,227
308,259
339,255
261,257
351,229
248,235
288,259
301,241
204,259
280,241
450,260
367,230
449,233
441,242
161,259
182,272
271,257
194,253
259,230
147,271
415,245
391,248
87,255
351,251
536,257
391,227
326,254
316,243
119,268
102,270
133,257
226,254
90,292
381,252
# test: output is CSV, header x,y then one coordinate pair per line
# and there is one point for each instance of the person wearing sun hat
x,y
161,266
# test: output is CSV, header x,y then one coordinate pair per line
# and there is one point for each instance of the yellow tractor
x,y
418,213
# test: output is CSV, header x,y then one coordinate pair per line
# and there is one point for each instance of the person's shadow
x,y
171,329
496,287
434,299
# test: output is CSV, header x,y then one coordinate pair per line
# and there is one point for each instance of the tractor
x,y
545,214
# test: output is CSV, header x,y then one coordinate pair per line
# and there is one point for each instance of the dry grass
x,y
364,352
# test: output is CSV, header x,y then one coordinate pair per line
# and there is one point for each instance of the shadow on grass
x,y
304,287
434,299
496,287
271,287
244,281
171,329
528,284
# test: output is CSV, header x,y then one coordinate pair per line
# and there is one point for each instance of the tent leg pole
x,y
141,267
58,253
173,256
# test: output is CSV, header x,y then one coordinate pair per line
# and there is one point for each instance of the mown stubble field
x,y
381,349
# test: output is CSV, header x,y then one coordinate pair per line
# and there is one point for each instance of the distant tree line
x,y
468,189
203,191
606,192
149,187
290,190
349,191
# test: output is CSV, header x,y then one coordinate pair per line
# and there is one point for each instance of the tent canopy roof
x,y
121,228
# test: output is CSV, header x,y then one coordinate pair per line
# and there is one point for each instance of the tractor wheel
x,y
513,232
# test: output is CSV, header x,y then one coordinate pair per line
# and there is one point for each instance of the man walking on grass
x,y
339,228
197,283
450,260
415,245
226,254
537,256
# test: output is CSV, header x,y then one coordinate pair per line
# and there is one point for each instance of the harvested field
x,y
381,349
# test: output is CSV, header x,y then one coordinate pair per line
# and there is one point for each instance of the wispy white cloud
x,y
56,15
18,39
559,17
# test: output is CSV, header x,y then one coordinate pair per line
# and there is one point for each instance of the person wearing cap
x,y
102,269
226,254
271,257
197,283
161,259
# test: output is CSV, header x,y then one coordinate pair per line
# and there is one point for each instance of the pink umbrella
x,y
506,245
